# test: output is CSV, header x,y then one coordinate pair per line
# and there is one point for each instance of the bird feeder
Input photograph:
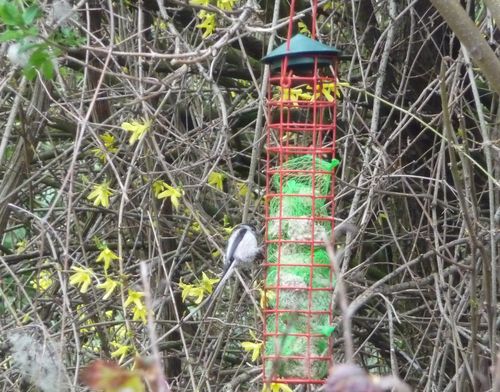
x,y
300,145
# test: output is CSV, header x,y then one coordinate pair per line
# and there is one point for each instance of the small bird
x,y
241,251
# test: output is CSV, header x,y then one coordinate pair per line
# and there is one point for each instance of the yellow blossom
x,y
327,90
158,186
253,347
137,128
265,297
228,228
294,94
276,387
207,284
208,23
109,286
121,333
140,314
160,24
242,189
173,193
303,29
107,256
43,281
135,298
21,246
216,179
226,5
192,291
100,194
328,5
195,227
82,277
121,350
198,291
109,146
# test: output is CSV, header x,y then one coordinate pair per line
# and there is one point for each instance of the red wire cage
x,y
299,210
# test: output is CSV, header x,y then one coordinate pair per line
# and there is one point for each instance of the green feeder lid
x,y
301,52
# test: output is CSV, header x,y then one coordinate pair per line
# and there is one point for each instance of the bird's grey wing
x,y
234,243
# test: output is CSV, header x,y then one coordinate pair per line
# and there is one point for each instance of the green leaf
x,y
47,69
39,55
29,72
31,14
10,14
12,35
68,36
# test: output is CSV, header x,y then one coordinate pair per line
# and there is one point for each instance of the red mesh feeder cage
x,y
299,280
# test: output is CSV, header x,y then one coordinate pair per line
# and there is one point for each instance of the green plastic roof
x,y
300,46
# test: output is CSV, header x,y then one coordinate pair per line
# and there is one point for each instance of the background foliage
x,y
132,133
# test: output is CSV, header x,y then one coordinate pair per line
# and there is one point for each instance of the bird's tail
x,y
226,274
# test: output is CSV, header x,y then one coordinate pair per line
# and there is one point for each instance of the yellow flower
x,y
135,298
107,256
305,96
276,387
43,281
216,179
158,187
226,5
242,188
200,2
328,6
228,228
265,297
109,146
137,128
121,350
82,277
207,284
189,290
160,24
207,22
109,141
294,94
109,285
195,227
173,193
198,291
21,246
88,329
327,90
121,333
290,94
253,347
140,314
101,194
303,29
